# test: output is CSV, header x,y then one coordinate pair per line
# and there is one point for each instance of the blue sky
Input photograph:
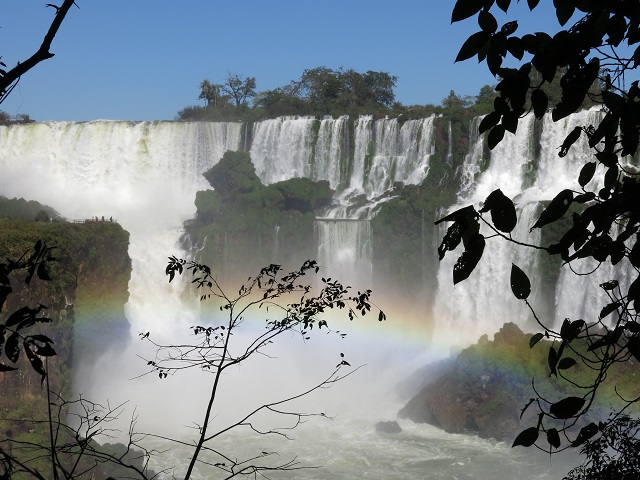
x,y
144,59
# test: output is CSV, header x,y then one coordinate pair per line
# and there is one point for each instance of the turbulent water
x,y
350,449
145,176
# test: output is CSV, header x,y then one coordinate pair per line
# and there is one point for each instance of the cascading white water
x,y
577,295
144,176
330,161
528,181
472,160
386,152
479,304
450,145
344,248
281,148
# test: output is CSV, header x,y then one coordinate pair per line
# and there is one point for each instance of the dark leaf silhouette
x,y
503,4
489,121
469,258
586,432
473,45
570,330
465,9
452,238
526,438
495,136
35,361
503,212
520,284
633,345
567,407
564,10
566,363
535,339
552,360
608,309
487,22
540,103
466,212
555,210
12,349
553,438
569,141
532,4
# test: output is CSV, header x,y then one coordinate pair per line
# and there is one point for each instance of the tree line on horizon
x,y
319,91
324,91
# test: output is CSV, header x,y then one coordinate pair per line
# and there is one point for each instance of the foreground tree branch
x,y
215,351
10,78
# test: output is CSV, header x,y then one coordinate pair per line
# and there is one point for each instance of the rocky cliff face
x,y
85,299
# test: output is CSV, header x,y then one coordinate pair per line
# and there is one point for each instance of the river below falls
x,y
349,448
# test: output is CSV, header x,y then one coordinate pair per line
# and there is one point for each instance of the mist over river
x,y
348,448
145,175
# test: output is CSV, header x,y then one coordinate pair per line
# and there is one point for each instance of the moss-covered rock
x,y
491,382
233,174
243,224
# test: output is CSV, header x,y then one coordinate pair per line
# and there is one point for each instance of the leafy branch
x,y
213,350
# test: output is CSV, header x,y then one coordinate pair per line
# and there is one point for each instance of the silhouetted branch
x,y
12,76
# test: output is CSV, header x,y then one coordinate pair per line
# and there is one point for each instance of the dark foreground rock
x,y
485,391
390,426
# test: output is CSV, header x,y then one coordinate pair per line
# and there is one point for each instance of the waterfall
x,y
344,249
386,152
482,303
576,296
281,148
472,161
145,175
331,156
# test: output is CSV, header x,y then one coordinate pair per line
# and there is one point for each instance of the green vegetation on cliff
x,y
84,298
243,223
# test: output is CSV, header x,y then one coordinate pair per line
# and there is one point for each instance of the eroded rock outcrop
x,y
485,390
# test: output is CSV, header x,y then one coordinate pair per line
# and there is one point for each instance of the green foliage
x,y
280,102
615,453
243,222
224,112
319,91
303,194
233,174
42,216
238,88
26,210
16,335
402,234
330,92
